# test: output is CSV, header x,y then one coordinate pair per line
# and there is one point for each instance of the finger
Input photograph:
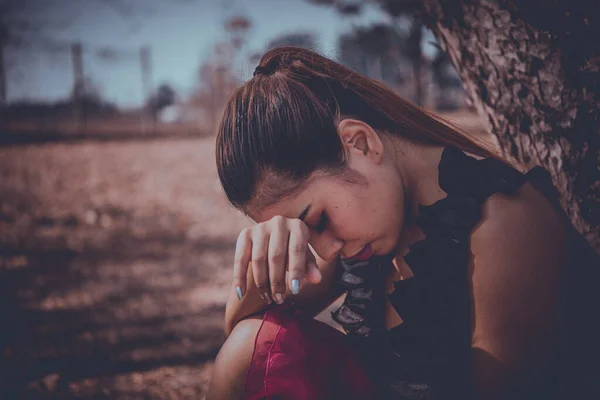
x,y
313,275
260,242
243,251
297,249
278,247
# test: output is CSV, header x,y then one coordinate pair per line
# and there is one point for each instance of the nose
x,y
326,244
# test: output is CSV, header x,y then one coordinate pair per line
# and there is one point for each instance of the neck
x,y
418,166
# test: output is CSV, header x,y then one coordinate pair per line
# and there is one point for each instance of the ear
x,y
358,136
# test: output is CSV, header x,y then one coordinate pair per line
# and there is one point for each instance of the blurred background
x,y
116,241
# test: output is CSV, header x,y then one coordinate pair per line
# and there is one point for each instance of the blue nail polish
x,y
295,286
238,290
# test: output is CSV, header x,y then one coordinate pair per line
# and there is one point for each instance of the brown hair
x,y
283,122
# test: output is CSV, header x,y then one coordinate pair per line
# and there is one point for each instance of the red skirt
x,y
298,357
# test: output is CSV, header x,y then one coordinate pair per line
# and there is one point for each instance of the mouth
x,y
362,255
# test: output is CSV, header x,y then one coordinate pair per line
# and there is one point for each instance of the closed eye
x,y
322,223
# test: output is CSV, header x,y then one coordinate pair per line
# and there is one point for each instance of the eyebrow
x,y
304,213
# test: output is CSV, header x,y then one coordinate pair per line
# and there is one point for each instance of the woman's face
x,y
345,217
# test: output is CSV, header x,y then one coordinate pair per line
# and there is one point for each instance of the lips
x,y
363,255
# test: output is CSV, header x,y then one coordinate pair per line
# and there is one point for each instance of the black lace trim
x,y
362,312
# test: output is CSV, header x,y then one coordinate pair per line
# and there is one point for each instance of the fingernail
x,y
266,298
278,298
238,290
295,286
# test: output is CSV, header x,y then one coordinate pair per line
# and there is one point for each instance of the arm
x,y
518,252
313,297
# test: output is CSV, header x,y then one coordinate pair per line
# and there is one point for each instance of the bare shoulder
x,y
518,251
233,361
524,224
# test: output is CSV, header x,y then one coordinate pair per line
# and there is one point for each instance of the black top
x,y
428,355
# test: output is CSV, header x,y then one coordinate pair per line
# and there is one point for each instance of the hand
x,y
272,247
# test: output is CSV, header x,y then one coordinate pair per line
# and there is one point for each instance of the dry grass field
x,y
129,127
115,263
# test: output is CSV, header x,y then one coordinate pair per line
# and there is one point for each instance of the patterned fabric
x,y
362,311
431,347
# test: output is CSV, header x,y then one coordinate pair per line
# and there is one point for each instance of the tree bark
x,y
532,70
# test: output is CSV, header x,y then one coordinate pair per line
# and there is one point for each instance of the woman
x,y
463,277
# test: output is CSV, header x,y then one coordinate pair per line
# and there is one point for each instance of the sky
x,y
180,33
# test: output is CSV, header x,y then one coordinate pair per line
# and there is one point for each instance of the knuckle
x,y
239,276
278,220
295,223
275,285
259,259
298,223
297,248
276,255
258,230
262,286
300,229
245,233
304,229
239,260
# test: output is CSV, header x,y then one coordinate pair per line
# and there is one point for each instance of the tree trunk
x,y
532,70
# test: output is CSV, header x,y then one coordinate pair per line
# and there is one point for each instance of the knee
x,y
233,360
241,340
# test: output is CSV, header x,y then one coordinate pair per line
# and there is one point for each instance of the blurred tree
x,y
20,19
163,97
238,26
412,43
446,78
378,51
534,78
344,7
443,72
86,98
217,78
298,39
27,22
216,84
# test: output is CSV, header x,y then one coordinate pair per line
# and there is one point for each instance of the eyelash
x,y
322,222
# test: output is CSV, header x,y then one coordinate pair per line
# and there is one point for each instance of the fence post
x,y
3,117
147,86
79,113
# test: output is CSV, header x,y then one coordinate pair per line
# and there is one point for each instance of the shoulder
x,y
522,226
518,250
233,360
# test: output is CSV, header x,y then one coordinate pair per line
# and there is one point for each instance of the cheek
x,y
367,216
366,222
349,221
389,213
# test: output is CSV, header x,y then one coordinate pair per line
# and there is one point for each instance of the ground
x,y
115,264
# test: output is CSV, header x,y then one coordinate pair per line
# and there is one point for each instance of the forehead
x,y
277,195
282,196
